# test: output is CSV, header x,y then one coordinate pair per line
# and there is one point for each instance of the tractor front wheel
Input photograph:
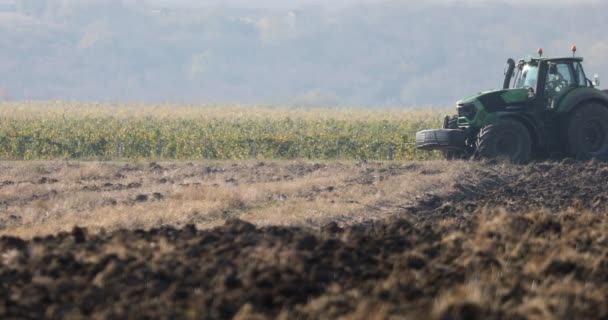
x,y
588,131
506,139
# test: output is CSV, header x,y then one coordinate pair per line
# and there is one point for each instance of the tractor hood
x,y
477,110
498,98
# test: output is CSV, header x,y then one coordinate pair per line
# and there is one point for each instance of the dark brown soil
x,y
450,257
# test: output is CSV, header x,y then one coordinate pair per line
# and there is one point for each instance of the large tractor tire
x,y
588,131
506,139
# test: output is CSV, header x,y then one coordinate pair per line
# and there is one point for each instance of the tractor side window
x,y
580,75
563,71
559,74
559,79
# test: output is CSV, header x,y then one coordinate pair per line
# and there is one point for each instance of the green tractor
x,y
546,108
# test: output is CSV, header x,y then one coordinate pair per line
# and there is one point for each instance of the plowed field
x,y
445,240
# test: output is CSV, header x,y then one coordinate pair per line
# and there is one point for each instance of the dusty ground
x,y
44,198
388,240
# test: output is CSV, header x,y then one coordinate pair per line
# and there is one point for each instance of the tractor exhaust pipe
x,y
509,73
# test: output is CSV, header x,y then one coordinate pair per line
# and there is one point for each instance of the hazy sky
x,y
340,52
339,3
268,3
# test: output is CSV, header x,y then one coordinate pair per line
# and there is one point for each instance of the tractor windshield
x,y
527,76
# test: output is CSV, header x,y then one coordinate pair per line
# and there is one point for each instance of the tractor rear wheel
x,y
506,139
588,131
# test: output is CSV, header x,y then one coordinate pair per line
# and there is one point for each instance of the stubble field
x,y
308,240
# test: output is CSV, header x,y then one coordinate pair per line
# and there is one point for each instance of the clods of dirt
x,y
45,180
525,242
396,268
141,198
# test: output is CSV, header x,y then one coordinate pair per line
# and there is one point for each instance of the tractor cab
x,y
547,106
548,79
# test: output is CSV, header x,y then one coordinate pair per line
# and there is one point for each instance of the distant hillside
x,y
388,54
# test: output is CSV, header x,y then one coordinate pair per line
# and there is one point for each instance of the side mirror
x,y
596,80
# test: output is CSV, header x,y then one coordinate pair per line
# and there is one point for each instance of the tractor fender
x,y
527,121
578,96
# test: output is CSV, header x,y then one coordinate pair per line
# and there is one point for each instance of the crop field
x,y
271,235
42,130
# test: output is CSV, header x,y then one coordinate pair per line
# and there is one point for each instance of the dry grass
x,y
39,198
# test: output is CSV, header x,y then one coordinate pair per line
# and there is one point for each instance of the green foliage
x,y
43,131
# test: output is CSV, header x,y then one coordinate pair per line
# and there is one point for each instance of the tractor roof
x,y
535,59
